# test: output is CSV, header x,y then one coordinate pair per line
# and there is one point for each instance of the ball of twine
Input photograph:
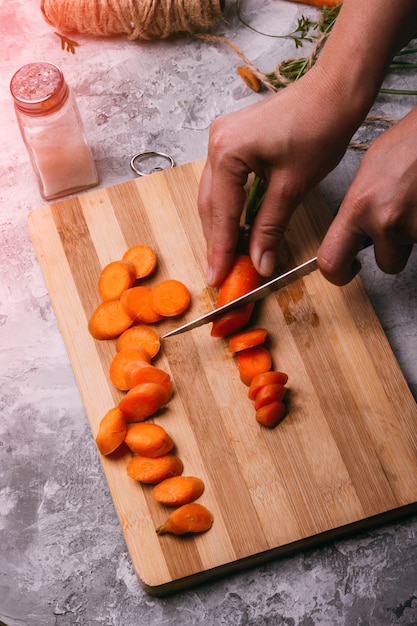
x,y
138,19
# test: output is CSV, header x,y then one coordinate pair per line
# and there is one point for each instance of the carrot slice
x,y
143,258
170,297
266,378
268,394
189,518
148,439
136,301
115,278
253,361
143,400
142,336
109,320
242,278
111,432
271,414
152,374
249,78
247,339
233,321
118,373
130,370
178,490
152,471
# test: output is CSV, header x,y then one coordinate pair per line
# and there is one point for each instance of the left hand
x,y
381,203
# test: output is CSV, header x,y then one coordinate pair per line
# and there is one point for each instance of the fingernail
x,y
267,263
209,275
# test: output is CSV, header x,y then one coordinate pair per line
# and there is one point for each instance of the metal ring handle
x,y
143,156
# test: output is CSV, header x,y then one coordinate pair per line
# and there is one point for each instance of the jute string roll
x,y
138,19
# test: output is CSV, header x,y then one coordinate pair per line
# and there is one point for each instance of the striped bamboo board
x,y
344,458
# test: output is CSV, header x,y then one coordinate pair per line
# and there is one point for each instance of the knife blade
x,y
252,296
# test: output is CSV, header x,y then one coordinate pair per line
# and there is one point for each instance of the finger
x,y
269,228
336,256
221,201
203,201
391,257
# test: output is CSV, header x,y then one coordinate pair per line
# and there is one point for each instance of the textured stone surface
x,y
63,560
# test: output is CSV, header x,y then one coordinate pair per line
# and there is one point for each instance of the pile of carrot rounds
x,y
266,386
127,309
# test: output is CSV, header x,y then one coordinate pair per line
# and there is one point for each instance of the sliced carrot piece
x,y
115,278
247,339
189,518
232,322
269,393
178,490
143,400
137,302
170,297
143,258
130,370
142,336
111,432
266,378
253,361
118,373
152,374
148,439
249,78
154,470
109,320
271,414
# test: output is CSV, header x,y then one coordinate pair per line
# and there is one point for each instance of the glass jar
x,y
52,130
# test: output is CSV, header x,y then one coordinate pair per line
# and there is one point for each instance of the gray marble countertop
x,y
63,560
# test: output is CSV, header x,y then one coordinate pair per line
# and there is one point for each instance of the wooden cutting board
x,y
344,458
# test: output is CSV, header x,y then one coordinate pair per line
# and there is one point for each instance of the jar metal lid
x,y
39,88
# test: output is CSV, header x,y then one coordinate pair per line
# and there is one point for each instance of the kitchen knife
x,y
256,294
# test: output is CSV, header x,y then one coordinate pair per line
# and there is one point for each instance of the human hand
x,y
381,204
292,140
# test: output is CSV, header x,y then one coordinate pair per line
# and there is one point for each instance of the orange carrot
x,y
268,394
242,278
130,369
253,361
115,278
271,414
109,320
143,258
189,518
136,301
118,373
247,339
147,439
152,471
111,432
142,336
249,78
266,378
170,298
178,490
152,374
143,400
